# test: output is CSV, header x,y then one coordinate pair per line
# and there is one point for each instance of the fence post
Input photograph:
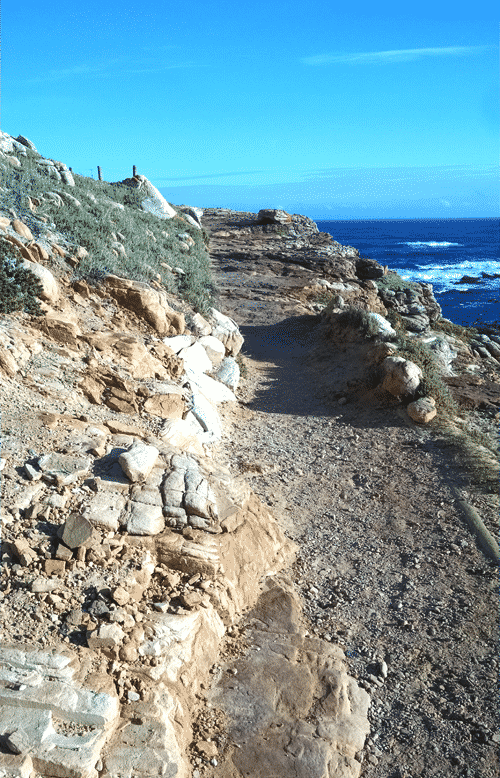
x,y
134,170
99,173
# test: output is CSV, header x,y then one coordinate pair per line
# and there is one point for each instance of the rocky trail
x,y
386,567
208,575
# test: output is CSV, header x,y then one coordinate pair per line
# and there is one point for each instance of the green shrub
x,y
91,224
19,287
357,319
393,282
456,330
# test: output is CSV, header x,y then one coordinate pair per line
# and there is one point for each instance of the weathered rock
x,y
142,519
7,362
226,330
49,284
147,303
196,358
422,410
184,434
200,325
167,406
214,391
368,268
62,327
274,216
269,701
107,636
154,201
229,373
138,461
63,469
402,377
214,348
208,417
75,531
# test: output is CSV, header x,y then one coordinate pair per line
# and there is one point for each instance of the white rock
x,y
107,636
183,434
208,417
384,326
105,510
50,286
138,461
226,329
213,390
155,203
214,348
178,342
229,373
195,358
144,519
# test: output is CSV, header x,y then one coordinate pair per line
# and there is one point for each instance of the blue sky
x,y
363,114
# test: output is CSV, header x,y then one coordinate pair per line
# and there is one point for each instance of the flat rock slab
x,y
64,468
292,707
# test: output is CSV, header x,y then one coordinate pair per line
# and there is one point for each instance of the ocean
x,y
438,252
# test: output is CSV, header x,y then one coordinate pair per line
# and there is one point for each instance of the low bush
x,y
19,287
393,282
358,319
149,240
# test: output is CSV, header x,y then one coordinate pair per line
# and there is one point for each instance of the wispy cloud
x,y
109,68
396,55
214,175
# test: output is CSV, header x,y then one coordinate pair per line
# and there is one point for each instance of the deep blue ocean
x,y
438,252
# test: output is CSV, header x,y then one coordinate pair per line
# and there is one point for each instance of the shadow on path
x,y
283,348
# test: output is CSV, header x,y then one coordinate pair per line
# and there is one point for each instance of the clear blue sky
x,y
373,113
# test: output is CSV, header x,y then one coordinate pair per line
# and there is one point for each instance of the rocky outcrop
x,y
292,707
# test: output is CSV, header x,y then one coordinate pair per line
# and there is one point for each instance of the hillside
x,y
248,497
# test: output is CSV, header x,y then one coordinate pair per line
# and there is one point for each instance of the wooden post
x,y
134,170
99,173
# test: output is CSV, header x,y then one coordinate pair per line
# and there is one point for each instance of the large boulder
x,y
274,216
49,284
154,201
402,377
147,303
226,330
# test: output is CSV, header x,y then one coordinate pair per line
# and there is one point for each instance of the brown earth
x,y
387,567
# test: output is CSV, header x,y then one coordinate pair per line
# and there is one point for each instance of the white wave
x,y
444,277
433,243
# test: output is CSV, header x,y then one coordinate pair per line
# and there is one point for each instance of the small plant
x,y
357,319
393,282
456,330
19,287
240,361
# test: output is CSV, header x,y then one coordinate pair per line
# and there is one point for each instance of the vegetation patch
x,y
393,282
357,319
19,287
150,242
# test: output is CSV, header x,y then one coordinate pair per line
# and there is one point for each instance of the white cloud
x,y
396,55
108,68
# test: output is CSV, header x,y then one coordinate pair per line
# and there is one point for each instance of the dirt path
x,y
386,567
